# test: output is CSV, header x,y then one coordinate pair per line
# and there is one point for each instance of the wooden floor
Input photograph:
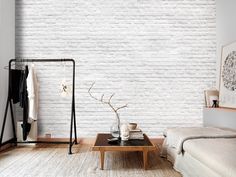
x,y
54,161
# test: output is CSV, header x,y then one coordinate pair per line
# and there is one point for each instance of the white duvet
x,y
213,148
218,154
177,136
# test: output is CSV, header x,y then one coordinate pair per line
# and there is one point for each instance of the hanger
x,y
19,67
7,67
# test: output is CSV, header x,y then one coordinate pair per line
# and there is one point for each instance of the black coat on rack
x,y
9,102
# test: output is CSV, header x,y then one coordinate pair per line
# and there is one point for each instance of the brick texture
x,y
156,55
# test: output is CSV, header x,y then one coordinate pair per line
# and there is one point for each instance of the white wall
x,y
158,56
7,51
226,27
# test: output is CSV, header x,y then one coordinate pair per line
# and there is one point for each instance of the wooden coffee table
x,y
102,145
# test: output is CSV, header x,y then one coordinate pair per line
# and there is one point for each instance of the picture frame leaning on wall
x,y
227,90
210,96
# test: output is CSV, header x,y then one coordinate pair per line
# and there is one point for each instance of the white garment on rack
x,y
32,88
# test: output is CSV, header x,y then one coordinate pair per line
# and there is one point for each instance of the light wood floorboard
x,y
54,161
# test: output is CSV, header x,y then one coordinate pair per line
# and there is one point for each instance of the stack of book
x,y
136,134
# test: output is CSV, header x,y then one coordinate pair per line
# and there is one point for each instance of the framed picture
x,y
210,97
228,76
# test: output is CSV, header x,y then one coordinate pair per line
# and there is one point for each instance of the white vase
x,y
124,132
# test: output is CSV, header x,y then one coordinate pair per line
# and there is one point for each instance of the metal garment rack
x,y
9,102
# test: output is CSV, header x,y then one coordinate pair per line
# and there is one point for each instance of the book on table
x,y
136,134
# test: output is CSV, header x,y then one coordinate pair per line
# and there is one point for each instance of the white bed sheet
x,y
177,136
217,154
187,165
191,167
204,157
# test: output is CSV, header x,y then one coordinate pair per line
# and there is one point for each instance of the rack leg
x,y
71,128
75,127
4,121
13,122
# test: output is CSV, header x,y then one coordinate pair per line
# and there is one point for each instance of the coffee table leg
x,y
145,153
102,154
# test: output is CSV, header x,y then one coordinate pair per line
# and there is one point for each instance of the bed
x,y
201,151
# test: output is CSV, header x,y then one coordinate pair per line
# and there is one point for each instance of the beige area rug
x,y
54,161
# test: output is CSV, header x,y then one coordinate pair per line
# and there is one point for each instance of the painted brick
x,y
156,55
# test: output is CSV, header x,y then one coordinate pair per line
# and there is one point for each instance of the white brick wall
x,y
156,55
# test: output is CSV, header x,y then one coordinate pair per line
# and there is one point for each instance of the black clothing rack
x,y
9,102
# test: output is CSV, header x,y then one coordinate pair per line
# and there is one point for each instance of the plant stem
x,y
118,121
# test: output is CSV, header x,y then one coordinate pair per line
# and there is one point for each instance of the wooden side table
x,y
102,145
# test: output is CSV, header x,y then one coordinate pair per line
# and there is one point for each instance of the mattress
x,y
202,156
171,154
217,154
189,166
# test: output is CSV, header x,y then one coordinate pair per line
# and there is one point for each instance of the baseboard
x,y
84,141
79,140
6,145
157,140
90,141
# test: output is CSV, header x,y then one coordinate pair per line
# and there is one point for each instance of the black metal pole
x,y
76,142
72,108
13,121
41,60
73,104
11,109
4,122
71,127
7,104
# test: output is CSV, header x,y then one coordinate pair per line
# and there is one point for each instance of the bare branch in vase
x,y
108,103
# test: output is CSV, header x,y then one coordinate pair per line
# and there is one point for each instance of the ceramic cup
x,y
132,126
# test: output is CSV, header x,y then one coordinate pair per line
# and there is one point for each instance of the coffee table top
x,y
102,141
